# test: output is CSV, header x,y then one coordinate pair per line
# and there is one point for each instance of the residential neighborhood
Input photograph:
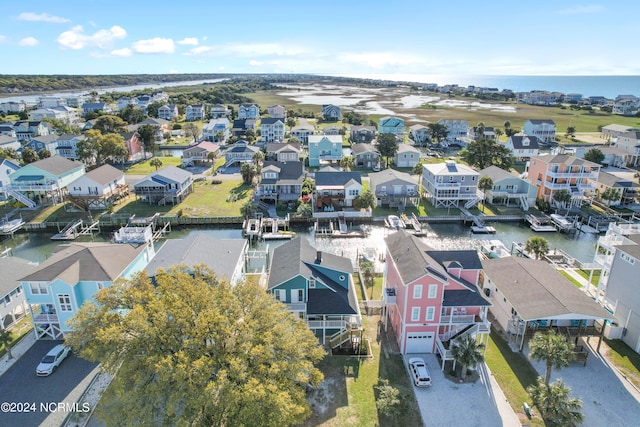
x,y
372,258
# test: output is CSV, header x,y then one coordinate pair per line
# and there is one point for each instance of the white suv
x,y
52,360
419,372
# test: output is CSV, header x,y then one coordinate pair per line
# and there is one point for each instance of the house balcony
x,y
343,323
297,307
557,186
329,157
446,186
573,175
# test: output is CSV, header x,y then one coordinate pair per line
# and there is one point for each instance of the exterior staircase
x,y
21,198
473,202
523,202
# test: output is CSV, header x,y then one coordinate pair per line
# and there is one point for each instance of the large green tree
x,y
191,130
438,131
96,147
6,340
553,349
147,135
538,246
610,194
467,352
248,172
110,124
483,153
594,155
387,145
562,198
365,200
195,350
132,114
555,404
29,155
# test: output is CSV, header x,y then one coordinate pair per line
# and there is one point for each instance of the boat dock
x,y
9,227
252,227
275,229
413,224
329,229
540,223
564,223
77,228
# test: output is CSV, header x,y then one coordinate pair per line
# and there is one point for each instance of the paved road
x,y
19,384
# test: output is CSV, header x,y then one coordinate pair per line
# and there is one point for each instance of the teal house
x,y
318,287
324,148
45,181
394,125
72,276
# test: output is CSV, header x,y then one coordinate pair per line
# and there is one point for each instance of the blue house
x,y
392,125
45,142
7,167
318,287
72,276
45,181
324,148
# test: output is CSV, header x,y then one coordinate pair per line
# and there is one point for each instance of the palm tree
x,y
554,403
554,349
248,171
6,339
562,198
498,134
156,162
346,162
538,246
258,157
485,183
467,352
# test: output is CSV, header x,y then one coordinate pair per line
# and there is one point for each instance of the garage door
x,y
420,342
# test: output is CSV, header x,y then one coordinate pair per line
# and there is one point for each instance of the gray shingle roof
x,y
518,142
336,178
565,159
104,174
388,176
57,165
496,174
86,261
363,148
270,120
221,255
290,172
537,291
13,269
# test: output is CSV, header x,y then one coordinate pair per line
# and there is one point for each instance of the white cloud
x,y
198,50
581,10
154,45
28,41
189,40
3,38
124,52
41,17
76,39
255,63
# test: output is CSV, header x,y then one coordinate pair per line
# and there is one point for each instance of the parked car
x,y
419,372
52,360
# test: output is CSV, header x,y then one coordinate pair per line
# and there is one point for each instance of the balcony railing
x,y
45,318
458,318
299,306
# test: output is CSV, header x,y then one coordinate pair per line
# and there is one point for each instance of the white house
x,y
450,183
626,105
544,130
523,146
194,112
331,112
99,188
248,111
272,129
456,129
168,112
336,190
13,304
277,111
7,167
217,130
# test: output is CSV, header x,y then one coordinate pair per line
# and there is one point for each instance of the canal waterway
x,y
37,247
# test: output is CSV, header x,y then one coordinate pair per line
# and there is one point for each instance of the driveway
x,y
607,398
19,385
445,403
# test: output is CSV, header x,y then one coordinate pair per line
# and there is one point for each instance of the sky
x,y
347,37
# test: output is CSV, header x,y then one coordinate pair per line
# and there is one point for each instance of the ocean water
x,y
607,86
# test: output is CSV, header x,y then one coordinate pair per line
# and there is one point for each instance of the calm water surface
x,y
37,246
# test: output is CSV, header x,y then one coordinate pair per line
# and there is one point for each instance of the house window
x,y
38,288
415,314
64,300
100,285
462,179
300,295
341,278
312,283
451,179
431,313
473,178
433,291
417,291
281,294
627,258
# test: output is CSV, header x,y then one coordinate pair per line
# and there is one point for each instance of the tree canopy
x,y
594,155
365,200
29,155
195,350
96,147
538,246
483,153
387,145
438,131
147,135
110,124
553,349
555,404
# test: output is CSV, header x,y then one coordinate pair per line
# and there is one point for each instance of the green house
x,y
319,287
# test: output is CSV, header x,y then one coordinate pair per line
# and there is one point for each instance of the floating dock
x,y
541,223
9,227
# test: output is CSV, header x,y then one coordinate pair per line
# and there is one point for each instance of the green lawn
x,y
625,359
514,374
594,279
212,200
424,209
145,168
354,393
571,279
23,327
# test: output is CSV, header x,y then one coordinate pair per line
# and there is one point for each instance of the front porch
x,y
100,201
46,322
456,323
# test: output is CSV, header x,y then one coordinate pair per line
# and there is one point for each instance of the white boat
x,y
494,249
11,226
369,254
562,222
394,222
485,229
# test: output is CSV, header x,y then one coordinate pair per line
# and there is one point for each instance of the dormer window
x,y
312,283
